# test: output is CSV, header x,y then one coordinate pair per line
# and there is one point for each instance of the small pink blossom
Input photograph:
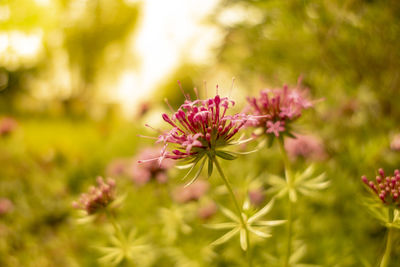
x,y
7,126
6,206
387,188
306,146
183,194
276,109
206,211
149,168
395,144
275,127
256,196
117,167
98,197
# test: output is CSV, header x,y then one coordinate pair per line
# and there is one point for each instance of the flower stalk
x,y
389,241
111,218
238,209
289,181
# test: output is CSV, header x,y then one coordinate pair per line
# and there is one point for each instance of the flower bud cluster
x,y
387,188
98,197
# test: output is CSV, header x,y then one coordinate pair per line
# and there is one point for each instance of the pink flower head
x,y
256,196
387,188
184,194
7,126
117,167
199,129
306,146
276,109
150,169
395,143
206,211
6,206
98,197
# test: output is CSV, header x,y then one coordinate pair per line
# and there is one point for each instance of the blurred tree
x,y
339,46
63,49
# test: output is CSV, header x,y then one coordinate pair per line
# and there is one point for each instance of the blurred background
x,y
80,78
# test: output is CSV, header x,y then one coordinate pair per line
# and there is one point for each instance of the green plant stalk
x,y
115,225
238,209
289,180
389,241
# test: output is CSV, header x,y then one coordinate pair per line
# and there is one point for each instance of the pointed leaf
x,y
197,173
307,173
292,195
269,223
226,237
262,212
243,239
259,233
298,254
183,167
225,155
220,226
229,214
210,167
190,170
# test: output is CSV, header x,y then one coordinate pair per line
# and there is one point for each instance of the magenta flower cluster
x,y
276,109
200,127
387,188
98,197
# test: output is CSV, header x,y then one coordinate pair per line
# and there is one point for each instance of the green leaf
x,y
225,237
262,212
259,233
220,226
210,167
243,239
225,155
197,173
270,140
229,214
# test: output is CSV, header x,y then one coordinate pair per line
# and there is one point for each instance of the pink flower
x,y
183,194
117,167
6,206
150,168
256,196
7,126
387,188
395,144
98,197
276,109
207,211
275,127
200,128
306,146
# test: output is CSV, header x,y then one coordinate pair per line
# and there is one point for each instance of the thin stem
x,y
389,241
289,180
238,209
117,228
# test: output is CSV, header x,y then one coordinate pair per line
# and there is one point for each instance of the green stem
x,y
289,180
238,209
389,241
117,228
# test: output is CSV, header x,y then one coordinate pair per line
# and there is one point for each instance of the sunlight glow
x,y
18,48
169,32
